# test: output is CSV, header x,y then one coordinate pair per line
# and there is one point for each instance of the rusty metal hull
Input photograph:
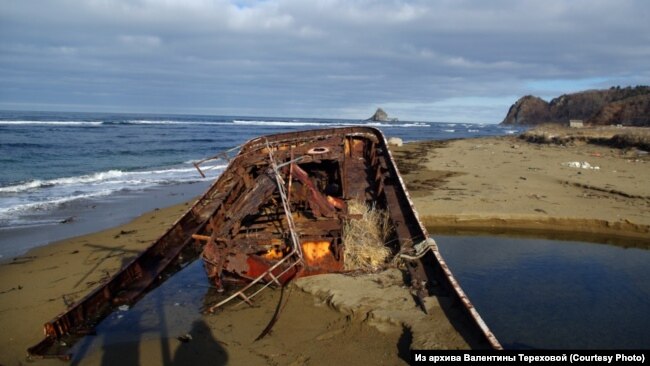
x,y
280,196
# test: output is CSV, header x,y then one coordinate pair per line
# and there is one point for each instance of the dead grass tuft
x,y
619,137
365,238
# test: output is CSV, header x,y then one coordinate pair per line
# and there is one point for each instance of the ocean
x,y
67,174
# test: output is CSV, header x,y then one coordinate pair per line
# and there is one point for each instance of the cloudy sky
x,y
438,60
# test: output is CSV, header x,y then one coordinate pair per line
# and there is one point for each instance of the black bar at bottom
x,y
529,357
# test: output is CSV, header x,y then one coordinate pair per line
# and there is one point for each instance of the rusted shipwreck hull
x,y
277,213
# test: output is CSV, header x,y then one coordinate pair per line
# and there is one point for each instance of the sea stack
x,y
381,116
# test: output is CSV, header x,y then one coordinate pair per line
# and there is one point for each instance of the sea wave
x,y
52,123
157,176
278,123
327,124
41,195
83,179
170,122
395,124
268,123
22,187
33,207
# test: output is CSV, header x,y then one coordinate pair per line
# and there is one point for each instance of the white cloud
x,y
325,58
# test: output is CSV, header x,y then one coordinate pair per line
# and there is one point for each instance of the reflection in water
x,y
532,293
167,312
536,293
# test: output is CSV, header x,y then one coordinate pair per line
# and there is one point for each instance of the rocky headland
x,y
628,106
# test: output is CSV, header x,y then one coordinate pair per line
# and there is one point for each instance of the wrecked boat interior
x,y
288,205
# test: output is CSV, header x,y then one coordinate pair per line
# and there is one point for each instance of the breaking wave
x,y
323,124
40,195
170,122
269,123
52,123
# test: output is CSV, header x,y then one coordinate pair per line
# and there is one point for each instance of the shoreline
x,y
505,182
87,217
590,230
40,284
456,185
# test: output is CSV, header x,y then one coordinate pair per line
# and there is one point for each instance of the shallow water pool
x,y
538,293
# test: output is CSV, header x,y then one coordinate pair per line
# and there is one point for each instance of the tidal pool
x,y
552,294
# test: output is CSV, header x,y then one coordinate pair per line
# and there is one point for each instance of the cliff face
x,y
527,111
627,106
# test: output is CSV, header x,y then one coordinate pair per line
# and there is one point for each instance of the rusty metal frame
x,y
295,257
177,246
434,256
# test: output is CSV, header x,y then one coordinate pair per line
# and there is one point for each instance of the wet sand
x,y
307,332
500,182
40,284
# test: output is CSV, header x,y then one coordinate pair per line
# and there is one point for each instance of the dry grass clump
x,y
619,137
364,238
638,139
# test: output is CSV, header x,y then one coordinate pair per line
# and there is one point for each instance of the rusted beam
x,y
318,203
246,204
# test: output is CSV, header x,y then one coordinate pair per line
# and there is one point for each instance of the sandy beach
x,y
492,183
574,187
